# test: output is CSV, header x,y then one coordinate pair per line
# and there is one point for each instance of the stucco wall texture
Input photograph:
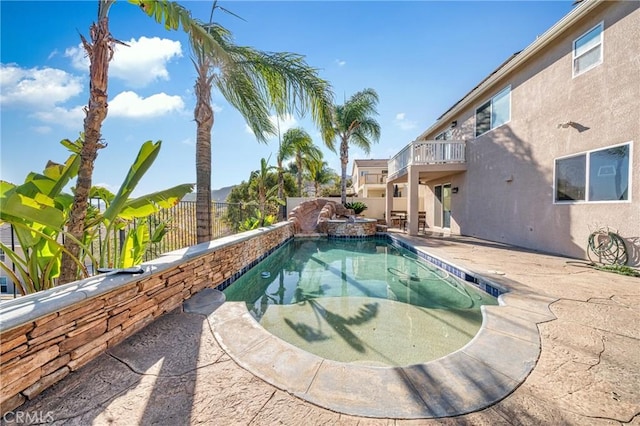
x,y
507,192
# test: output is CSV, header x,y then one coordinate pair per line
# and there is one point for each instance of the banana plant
x,y
122,211
37,211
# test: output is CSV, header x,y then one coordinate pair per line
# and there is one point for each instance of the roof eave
x,y
547,37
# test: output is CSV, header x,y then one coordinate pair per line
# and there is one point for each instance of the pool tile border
x,y
226,283
480,282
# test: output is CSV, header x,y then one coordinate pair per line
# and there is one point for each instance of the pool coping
x,y
469,379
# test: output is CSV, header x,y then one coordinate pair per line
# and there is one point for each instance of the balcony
x,y
372,179
424,153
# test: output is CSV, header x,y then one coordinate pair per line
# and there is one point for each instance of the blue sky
x,y
420,56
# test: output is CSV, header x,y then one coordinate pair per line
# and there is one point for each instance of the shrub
x,y
357,206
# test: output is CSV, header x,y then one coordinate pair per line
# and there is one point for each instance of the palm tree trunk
x,y
299,165
344,160
262,202
203,115
99,52
280,189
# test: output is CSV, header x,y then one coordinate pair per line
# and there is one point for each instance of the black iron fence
x,y
180,223
181,228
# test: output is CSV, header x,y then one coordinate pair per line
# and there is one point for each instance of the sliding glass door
x,y
442,206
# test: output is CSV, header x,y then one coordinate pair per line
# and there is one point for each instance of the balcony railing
x,y
372,178
427,152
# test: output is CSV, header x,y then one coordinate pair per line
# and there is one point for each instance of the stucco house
x,y
369,178
543,151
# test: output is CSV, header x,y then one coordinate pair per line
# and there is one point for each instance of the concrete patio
x,y
176,372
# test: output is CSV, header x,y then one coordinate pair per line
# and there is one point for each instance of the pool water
x,y
362,301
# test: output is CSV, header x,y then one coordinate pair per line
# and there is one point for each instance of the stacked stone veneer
x,y
346,228
47,335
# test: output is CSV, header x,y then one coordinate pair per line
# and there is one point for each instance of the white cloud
x,y
285,123
41,87
129,104
71,118
141,63
188,141
43,130
79,59
402,122
341,63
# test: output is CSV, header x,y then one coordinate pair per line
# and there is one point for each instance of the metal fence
x,y
181,231
180,221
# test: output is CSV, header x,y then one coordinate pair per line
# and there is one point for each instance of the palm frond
x,y
288,84
175,16
241,92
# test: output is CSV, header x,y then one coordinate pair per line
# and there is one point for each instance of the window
x,y
600,175
3,284
570,178
444,136
587,50
494,113
1,255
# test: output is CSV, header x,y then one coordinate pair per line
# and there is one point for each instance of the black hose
x,y
607,247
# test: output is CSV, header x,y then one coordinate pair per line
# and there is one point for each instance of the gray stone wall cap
x,y
22,310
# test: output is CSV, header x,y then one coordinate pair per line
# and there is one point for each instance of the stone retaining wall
x,y
45,336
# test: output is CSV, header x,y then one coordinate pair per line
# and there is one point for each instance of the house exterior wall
x,y
361,186
507,193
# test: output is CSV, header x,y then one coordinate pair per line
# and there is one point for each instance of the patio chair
x,y
422,220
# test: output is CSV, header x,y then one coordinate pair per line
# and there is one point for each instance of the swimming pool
x,y
361,301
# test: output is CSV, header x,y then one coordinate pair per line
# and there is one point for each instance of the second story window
x,y
587,50
444,136
494,113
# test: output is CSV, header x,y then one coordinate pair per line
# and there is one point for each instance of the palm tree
x,y
320,174
296,143
260,185
253,82
100,51
354,123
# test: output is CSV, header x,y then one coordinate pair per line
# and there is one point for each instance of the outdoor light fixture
x,y
454,190
454,123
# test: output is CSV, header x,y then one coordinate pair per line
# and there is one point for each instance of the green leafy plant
x,y
357,206
38,211
121,211
257,222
